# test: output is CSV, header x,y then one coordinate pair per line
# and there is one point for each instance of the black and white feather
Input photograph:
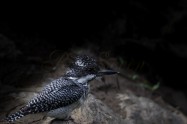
x,y
60,93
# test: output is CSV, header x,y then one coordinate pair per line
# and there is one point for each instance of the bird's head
x,y
86,67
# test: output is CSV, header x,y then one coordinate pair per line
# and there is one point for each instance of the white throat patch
x,y
86,79
73,78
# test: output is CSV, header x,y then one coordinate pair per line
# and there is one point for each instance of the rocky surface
x,y
139,110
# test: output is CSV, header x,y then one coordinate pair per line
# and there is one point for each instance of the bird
x,y
66,93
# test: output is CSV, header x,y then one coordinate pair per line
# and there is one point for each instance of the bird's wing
x,y
57,98
47,101
55,84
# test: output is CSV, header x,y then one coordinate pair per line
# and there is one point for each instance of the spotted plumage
x,y
59,98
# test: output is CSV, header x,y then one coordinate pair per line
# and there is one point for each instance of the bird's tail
x,y
17,115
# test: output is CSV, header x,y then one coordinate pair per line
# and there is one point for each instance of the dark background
x,y
153,33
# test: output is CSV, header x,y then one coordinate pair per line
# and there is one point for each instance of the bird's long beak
x,y
106,72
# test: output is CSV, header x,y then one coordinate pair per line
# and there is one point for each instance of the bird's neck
x,y
84,79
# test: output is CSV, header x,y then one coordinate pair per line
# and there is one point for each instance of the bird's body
x,y
59,98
